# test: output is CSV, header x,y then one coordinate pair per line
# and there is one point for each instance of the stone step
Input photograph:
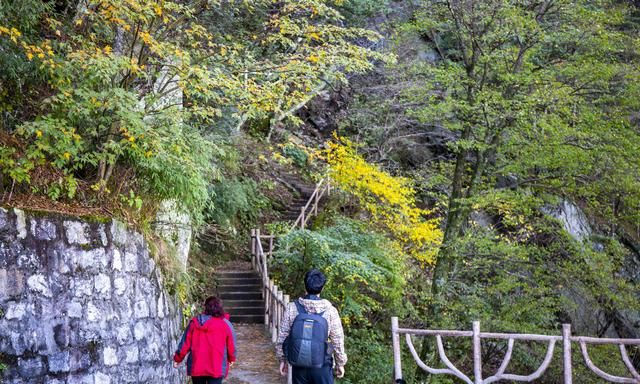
x,y
237,275
247,319
239,295
246,311
239,288
231,304
239,281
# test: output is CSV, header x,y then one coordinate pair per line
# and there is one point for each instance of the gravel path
x,y
257,363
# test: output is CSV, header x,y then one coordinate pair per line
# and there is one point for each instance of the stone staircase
x,y
241,289
302,191
241,295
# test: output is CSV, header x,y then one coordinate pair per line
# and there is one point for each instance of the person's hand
x,y
231,364
284,367
175,365
339,372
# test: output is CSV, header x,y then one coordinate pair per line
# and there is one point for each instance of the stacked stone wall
x,y
82,302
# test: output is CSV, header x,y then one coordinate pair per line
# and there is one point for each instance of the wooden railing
x,y
275,300
311,208
477,336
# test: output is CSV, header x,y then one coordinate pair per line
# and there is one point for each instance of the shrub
x,y
296,154
363,269
389,200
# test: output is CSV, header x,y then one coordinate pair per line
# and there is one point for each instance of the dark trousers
x,y
206,380
322,375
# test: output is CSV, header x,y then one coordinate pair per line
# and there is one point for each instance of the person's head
x,y
213,307
314,281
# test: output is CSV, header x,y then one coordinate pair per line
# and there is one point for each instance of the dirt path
x,y
257,363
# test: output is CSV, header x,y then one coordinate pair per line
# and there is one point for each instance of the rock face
x,y
82,302
175,228
573,219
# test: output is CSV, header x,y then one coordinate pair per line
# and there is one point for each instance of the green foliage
x,y
19,78
358,12
133,92
369,357
544,95
365,282
295,153
494,107
235,203
526,275
365,274
278,227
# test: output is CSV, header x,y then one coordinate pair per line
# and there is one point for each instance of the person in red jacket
x,y
210,342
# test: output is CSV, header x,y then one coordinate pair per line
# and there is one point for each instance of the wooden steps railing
x,y
275,300
311,208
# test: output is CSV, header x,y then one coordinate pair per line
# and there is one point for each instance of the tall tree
x,y
539,91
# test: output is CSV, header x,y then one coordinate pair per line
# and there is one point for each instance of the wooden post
x,y
477,354
271,246
253,249
274,329
566,353
395,338
315,202
302,219
264,265
268,305
279,312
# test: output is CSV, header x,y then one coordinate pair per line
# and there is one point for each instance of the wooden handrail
x,y
275,300
323,186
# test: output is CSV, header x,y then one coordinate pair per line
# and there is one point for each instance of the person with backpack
x,y
311,337
210,342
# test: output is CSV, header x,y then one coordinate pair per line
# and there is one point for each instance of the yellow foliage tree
x,y
389,200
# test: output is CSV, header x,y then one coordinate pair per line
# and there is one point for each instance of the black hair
x,y
314,281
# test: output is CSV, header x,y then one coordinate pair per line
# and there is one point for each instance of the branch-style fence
x,y
477,337
275,300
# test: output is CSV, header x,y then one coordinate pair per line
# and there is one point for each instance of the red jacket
x,y
211,345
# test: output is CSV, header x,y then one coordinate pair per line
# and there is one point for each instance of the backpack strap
x,y
300,307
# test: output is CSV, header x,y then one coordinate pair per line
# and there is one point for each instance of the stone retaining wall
x,y
82,302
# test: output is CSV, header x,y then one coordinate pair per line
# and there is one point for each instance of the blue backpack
x,y
306,345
